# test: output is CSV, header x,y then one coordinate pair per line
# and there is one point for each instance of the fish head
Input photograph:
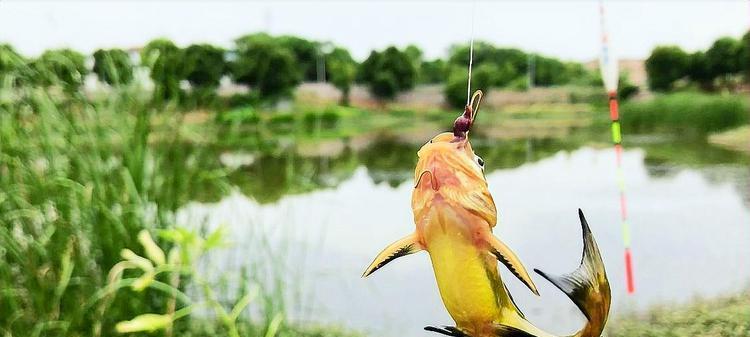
x,y
452,159
449,172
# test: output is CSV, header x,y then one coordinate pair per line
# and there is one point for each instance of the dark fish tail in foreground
x,y
587,286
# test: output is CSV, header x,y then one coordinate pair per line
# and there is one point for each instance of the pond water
x,y
688,205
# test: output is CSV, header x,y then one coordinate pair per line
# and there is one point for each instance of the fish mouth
x,y
433,180
463,123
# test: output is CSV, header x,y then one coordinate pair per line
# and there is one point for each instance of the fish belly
x,y
463,278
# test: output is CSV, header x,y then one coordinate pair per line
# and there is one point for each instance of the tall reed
x,y
78,180
687,111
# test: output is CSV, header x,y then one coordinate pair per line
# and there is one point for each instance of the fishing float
x,y
610,76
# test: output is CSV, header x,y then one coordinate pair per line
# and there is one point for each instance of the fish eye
x,y
479,161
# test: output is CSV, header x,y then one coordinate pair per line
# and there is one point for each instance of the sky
x,y
564,29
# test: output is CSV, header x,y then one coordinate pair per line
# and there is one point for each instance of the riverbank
x,y
736,139
722,317
310,125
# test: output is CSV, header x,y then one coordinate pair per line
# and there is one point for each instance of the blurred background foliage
x,y
82,173
272,66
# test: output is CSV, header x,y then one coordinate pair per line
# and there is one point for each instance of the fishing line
x,y
471,51
610,76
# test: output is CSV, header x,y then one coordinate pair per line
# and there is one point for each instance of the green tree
x,y
306,55
432,72
745,56
204,66
516,58
387,73
415,55
483,77
513,65
625,88
509,59
113,66
341,69
483,52
698,70
164,59
723,58
63,67
455,87
664,66
265,66
575,69
504,74
384,86
549,71
368,68
12,67
399,64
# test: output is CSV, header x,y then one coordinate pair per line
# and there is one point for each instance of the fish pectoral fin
x,y
502,252
404,246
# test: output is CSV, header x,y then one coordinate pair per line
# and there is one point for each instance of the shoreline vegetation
x,y
735,139
79,180
718,317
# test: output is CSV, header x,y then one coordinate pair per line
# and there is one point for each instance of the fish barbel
x,y
454,214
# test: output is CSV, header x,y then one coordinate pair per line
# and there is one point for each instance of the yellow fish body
x,y
454,214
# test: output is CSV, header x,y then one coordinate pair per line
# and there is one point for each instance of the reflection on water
x,y
689,224
269,176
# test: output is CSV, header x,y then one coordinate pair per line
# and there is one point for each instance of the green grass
x,y
723,317
686,112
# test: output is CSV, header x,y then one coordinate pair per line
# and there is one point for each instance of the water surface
x,y
687,202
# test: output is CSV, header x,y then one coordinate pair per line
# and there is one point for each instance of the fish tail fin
x,y
402,247
587,286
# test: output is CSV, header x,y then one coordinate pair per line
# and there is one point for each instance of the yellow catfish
x,y
454,215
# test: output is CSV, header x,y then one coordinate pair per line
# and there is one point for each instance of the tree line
x,y
723,65
271,66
